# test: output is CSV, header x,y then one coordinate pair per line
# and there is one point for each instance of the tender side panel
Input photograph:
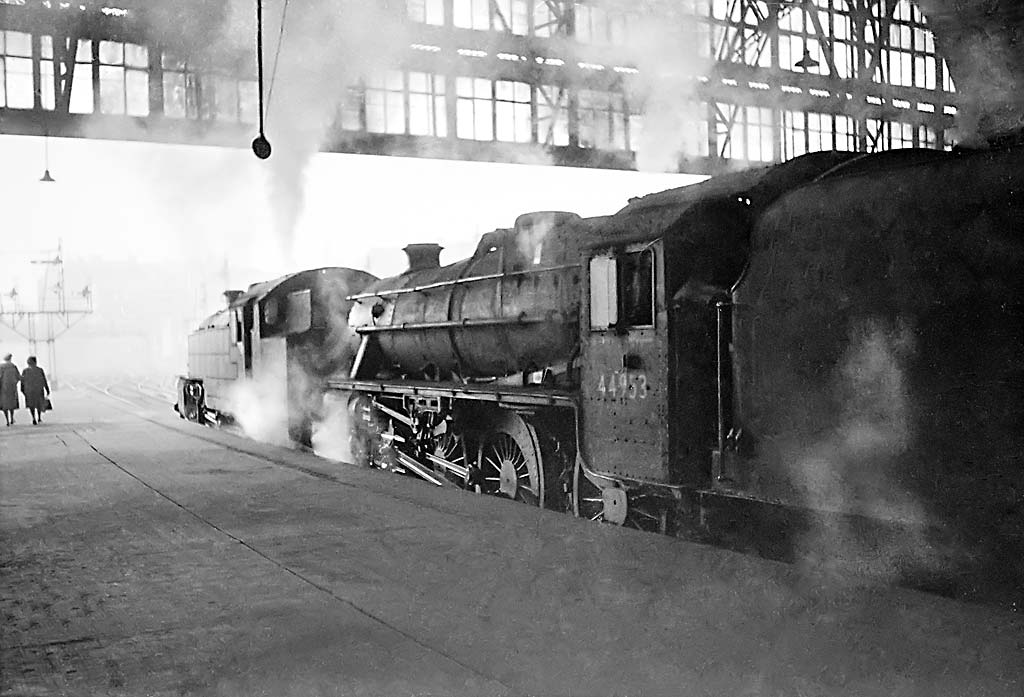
x,y
878,343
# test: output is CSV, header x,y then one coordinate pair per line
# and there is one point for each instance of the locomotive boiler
x,y
510,308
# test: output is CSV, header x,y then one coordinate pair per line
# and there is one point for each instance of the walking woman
x,y
9,377
34,385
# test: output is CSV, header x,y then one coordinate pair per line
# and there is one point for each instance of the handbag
x,y
47,404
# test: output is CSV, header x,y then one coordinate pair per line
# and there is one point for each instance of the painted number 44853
x,y
622,385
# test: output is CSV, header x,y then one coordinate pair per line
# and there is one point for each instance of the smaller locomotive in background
x,y
269,352
833,343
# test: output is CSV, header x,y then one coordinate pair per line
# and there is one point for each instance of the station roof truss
x,y
582,83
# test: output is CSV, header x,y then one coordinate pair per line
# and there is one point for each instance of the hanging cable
x,y
277,54
46,158
260,145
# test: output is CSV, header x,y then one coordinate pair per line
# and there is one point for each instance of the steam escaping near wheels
x,y
332,432
260,407
728,358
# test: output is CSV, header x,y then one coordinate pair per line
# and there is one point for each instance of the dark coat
x,y
33,385
9,378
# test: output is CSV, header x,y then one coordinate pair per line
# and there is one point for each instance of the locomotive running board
x,y
484,393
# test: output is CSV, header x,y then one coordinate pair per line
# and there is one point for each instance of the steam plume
x,y
847,470
325,46
331,431
260,405
666,54
981,44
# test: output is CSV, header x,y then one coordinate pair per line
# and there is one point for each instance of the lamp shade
x,y
807,62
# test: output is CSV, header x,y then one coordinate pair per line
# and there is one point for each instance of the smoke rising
x,y
322,48
313,52
981,42
666,53
848,470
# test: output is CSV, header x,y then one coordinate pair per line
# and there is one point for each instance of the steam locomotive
x,y
836,338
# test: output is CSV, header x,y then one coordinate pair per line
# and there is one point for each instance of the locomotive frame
x,y
618,367
594,434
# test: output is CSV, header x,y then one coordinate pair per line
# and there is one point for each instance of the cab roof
x,y
648,218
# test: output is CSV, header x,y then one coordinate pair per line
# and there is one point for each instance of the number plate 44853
x,y
622,385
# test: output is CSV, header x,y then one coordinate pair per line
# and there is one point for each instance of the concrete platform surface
x,y
145,556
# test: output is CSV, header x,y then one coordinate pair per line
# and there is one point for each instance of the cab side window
x,y
636,288
604,305
622,290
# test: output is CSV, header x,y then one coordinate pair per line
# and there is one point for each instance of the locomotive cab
x,y
624,396
655,385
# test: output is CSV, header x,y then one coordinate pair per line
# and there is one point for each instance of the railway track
x,y
150,402
141,394
209,435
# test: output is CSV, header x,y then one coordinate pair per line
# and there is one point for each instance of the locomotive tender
x,y
841,333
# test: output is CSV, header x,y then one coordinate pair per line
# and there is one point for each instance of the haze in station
x,y
608,85
811,357
158,232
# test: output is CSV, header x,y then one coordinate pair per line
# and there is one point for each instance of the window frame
x,y
606,282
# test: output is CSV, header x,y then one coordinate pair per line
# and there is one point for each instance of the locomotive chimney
x,y
423,256
232,295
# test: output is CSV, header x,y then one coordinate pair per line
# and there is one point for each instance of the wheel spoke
x,y
509,461
451,448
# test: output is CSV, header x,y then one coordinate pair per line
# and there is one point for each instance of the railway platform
x,y
142,555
